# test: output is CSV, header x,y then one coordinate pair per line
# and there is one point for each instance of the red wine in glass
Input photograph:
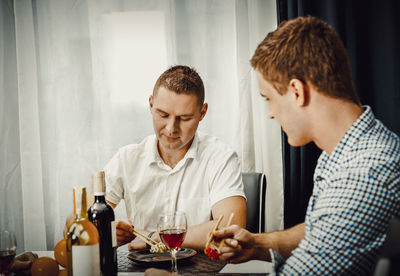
x,y
6,258
172,229
173,238
8,247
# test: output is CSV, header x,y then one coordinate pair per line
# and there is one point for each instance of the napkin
x,y
254,266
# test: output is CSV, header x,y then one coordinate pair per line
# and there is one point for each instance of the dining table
x,y
198,264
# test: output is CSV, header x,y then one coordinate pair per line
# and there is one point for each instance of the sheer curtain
x,y
75,80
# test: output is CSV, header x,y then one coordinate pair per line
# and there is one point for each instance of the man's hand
x,y
124,232
240,245
23,262
158,272
195,235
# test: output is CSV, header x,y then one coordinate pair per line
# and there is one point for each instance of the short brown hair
x,y
308,49
182,79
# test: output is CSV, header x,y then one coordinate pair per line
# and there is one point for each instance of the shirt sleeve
x,y
345,225
114,179
227,179
276,259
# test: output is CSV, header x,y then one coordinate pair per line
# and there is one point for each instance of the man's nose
x,y
172,125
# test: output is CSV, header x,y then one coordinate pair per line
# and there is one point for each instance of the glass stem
x,y
174,268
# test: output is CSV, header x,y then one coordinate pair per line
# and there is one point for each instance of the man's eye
x,y
186,119
163,115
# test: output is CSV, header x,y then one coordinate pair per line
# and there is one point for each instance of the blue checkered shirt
x,y
356,192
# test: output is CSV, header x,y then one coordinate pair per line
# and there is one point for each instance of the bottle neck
x,y
99,197
84,208
80,203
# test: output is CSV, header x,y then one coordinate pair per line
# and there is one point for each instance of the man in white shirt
x,y
177,168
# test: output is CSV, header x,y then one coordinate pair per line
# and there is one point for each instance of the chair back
x,y
255,185
388,263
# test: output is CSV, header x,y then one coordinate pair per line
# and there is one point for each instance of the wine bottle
x,y
82,240
102,215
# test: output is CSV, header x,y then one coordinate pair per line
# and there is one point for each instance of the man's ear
x,y
203,111
151,101
299,90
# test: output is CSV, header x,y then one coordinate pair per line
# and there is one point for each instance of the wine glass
x,y
172,229
8,247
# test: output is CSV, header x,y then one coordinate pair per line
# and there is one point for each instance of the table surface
x,y
199,264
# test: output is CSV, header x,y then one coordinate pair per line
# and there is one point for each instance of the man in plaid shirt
x,y
304,74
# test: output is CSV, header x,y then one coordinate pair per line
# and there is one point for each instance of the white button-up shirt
x,y
208,173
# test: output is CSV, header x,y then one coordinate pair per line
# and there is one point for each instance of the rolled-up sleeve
x,y
227,179
114,179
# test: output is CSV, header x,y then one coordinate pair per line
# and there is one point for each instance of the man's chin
x,y
171,146
297,143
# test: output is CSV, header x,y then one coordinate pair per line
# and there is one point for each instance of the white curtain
x,y
75,77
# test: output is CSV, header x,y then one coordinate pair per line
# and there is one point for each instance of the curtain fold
x,y
76,80
29,129
371,34
11,215
261,137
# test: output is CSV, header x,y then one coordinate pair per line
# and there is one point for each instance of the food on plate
x,y
158,248
155,247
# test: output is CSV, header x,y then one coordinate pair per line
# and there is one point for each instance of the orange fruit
x,y
44,266
63,272
60,253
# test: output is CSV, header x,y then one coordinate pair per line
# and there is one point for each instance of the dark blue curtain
x,y
370,31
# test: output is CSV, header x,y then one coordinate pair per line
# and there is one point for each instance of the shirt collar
x,y
153,156
349,139
192,152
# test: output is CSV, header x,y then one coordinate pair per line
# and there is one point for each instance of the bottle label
x,y
113,234
86,260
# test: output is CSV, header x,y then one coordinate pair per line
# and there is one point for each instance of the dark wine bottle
x,y
102,215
